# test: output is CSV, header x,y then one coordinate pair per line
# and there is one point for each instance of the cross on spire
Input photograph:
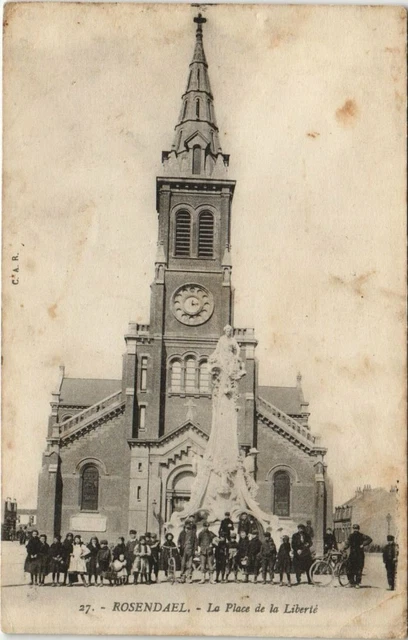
x,y
199,20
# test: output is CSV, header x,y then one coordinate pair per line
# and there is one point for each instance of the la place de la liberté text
x,y
227,607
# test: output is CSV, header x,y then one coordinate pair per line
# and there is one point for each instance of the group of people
x,y
240,553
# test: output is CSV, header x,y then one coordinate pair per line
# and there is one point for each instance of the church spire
x,y
196,143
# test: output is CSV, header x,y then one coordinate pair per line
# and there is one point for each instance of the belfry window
x,y
90,488
175,376
198,79
185,109
281,494
196,160
197,107
206,235
182,234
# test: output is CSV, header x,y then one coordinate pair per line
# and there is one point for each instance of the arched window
x,y
206,235
183,234
175,377
198,78
197,104
209,109
196,160
281,494
190,375
90,488
203,378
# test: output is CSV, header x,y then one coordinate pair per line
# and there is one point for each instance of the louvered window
x,y
197,105
183,234
206,235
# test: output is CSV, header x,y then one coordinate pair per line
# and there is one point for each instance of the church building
x,y
123,453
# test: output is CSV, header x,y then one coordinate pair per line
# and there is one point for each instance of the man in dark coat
x,y
390,556
309,530
205,543
187,543
226,526
329,541
355,563
302,557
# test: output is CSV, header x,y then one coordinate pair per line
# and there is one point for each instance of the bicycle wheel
x,y
342,574
171,570
321,573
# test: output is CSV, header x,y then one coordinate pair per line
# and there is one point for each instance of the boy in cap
x,y
284,560
390,557
226,526
267,557
221,557
232,565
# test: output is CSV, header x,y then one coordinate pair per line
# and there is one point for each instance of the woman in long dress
x,y
77,564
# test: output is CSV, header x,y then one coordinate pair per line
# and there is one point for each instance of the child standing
x,y
119,569
32,562
66,556
221,556
77,564
56,559
284,560
267,557
43,555
232,565
93,547
103,562
141,563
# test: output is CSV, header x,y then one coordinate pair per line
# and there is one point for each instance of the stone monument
x,y
223,481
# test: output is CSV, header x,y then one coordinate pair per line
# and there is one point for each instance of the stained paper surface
x,y
311,106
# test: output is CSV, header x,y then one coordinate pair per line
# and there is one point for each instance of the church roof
x,y
84,392
287,399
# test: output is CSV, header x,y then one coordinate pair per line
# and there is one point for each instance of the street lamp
x,y
388,518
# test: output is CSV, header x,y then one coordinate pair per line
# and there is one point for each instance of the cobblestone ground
x,y
125,609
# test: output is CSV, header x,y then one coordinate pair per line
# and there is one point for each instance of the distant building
x,y
26,517
374,510
9,519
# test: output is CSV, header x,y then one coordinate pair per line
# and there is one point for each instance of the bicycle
x,y
324,569
171,564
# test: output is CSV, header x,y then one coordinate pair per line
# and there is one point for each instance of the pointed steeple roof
x,y
197,116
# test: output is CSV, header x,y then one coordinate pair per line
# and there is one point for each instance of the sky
x,y
311,108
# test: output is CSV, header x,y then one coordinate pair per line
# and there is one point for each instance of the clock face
x,y
192,304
